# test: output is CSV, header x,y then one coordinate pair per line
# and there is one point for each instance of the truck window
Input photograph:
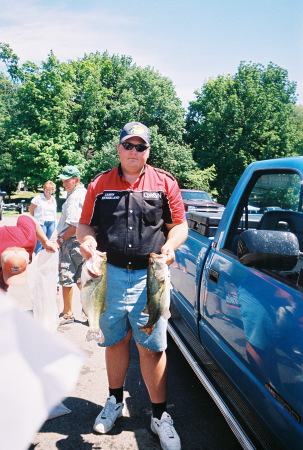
x,y
272,201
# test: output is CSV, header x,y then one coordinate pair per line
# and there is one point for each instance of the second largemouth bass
x,y
158,291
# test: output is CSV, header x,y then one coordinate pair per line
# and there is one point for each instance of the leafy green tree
x,y
41,140
8,181
297,114
73,112
8,178
238,119
10,60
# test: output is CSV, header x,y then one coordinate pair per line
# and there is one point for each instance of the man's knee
x,y
124,342
149,353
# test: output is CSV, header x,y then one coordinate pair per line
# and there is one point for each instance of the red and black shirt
x,y
131,219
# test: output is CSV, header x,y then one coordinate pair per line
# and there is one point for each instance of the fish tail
x,y
95,335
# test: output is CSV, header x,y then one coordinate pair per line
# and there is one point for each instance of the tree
x,y
73,112
10,60
297,114
39,134
239,119
8,181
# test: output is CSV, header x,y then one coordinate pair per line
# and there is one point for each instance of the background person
x,y
17,244
43,208
129,212
70,259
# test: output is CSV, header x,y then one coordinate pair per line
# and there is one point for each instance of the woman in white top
x,y
44,209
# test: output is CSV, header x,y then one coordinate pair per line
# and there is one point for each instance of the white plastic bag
x,y
37,370
42,280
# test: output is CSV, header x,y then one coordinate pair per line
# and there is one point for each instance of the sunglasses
x,y
139,147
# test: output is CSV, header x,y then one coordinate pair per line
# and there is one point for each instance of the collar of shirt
x,y
120,172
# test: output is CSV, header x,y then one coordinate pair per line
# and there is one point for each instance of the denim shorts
x,y
126,299
70,262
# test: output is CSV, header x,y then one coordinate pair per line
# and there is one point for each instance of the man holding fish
x,y
134,214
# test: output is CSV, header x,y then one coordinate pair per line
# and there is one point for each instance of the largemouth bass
x,y
93,293
158,291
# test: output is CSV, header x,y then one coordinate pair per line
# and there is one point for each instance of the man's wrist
x,y
60,239
90,239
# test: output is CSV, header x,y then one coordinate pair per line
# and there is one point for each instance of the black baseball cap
x,y
135,129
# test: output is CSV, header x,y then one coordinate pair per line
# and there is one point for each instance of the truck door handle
x,y
213,276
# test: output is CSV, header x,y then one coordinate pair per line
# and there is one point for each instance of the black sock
x,y
158,409
117,393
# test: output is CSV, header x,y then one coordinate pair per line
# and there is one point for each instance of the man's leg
x,y
67,292
154,372
117,360
66,279
153,368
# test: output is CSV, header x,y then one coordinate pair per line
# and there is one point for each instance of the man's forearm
x,y
69,232
85,232
177,234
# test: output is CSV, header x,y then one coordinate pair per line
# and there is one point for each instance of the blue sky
x,y
187,41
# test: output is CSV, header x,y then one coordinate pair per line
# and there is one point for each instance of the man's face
x,y
132,160
70,184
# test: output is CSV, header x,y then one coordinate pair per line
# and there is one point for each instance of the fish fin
x,y
84,315
148,330
95,335
166,313
104,307
145,310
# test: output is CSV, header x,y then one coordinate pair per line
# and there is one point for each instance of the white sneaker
x,y
164,428
107,417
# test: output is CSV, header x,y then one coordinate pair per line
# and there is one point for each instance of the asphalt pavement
x,y
196,418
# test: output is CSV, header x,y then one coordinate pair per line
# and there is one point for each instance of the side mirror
x,y
271,250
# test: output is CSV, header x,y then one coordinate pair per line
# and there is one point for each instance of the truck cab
x,y
241,293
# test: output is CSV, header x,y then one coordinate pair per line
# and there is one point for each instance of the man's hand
x,y
169,251
50,246
88,247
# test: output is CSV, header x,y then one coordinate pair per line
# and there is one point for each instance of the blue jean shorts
x,y
126,299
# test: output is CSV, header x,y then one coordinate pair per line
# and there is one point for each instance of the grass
x,y
27,197
23,195
7,213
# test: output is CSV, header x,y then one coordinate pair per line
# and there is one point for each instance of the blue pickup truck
x,y
237,304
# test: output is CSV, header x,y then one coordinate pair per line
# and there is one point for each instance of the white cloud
x,y
71,28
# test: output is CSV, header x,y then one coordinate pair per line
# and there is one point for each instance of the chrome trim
x,y
227,414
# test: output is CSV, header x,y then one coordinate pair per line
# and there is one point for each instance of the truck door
x,y
185,277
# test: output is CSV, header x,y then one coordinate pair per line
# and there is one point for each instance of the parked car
x,y
253,209
195,200
2,194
